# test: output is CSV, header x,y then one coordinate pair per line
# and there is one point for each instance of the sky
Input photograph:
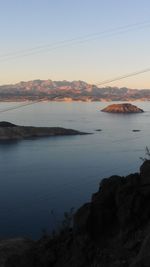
x,y
89,40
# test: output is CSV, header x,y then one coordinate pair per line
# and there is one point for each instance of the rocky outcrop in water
x,y
10,131
113,230
122,108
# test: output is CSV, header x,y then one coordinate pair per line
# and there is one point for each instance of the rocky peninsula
x,y
112,230
122,108
10,131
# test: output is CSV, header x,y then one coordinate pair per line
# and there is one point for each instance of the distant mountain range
x,y
68,91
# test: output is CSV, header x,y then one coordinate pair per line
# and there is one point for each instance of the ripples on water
x,y
58,173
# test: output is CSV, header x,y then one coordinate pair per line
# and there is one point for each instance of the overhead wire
x,y
131,74
97,84
60,44
79,39
19,106
74,41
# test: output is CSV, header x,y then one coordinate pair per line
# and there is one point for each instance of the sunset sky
x,y
89,40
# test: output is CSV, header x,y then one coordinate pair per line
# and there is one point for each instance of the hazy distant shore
x,y
65,91
71,100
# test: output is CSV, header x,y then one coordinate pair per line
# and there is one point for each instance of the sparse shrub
x,y
64,225
147,154
68,220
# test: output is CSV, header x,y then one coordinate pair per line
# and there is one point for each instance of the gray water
x,y
58,173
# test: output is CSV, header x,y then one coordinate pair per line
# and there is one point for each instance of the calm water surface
x,y
58,173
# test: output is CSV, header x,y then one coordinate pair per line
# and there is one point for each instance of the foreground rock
x,y
122,108
12,131
113,230
13,248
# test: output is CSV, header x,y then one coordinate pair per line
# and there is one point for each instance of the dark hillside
x,y
113,230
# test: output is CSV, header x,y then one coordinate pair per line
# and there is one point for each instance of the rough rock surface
x,y
12,131
122,108
113,230
13,248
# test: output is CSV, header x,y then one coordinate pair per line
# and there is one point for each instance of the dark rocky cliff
x,y
113,230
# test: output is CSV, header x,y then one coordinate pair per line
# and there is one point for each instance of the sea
x,y
42,178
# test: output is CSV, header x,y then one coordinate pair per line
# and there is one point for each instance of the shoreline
x,y
71,101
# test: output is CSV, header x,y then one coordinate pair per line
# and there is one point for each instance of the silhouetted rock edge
x,y
113,229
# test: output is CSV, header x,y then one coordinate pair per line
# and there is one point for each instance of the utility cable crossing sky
x,y
123,76
97,84
74,41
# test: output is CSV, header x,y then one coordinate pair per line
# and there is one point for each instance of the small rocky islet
x,y
10,131
126,108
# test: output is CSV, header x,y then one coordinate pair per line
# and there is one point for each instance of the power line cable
x,y
20,106
74,41
97,84
123,76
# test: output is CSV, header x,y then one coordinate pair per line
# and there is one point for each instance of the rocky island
x,y
10,131
112,230
122,108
